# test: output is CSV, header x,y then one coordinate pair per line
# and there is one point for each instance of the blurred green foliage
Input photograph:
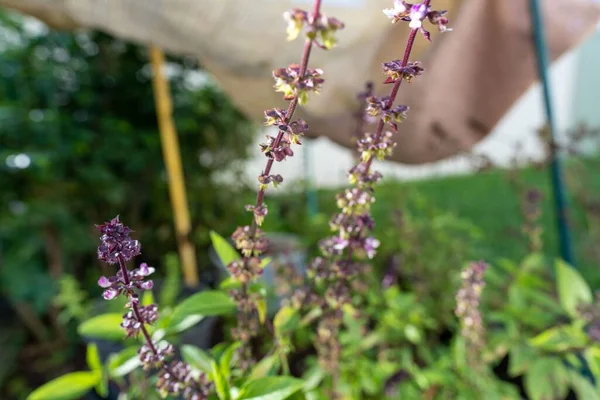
x,y
486,205
79,144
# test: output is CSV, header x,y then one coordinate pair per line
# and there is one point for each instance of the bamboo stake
x,y
172,159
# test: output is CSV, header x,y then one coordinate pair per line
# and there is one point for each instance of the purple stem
x,y
136,311
288,116
135,308
409,45
291,108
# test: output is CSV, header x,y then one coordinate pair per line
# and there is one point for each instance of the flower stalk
x,y
174,377
344,255
296,82
467,310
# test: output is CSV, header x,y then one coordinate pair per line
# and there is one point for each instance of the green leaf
x,y
459,352
103,326
171,285
572,289
534,261
93,357
264,367
148,298
204,303
369,381
185,324
229,283
592,356
67,387
299,395
412,334
583,387
270,388
547,378
124,362
157,335
285,320
520,358
261,307
95,365
102,386
370,341
221,385
197,358
218,350
508,265
225,251
225,360
559,338
313,378
311,316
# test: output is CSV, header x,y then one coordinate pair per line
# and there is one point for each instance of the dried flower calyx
x,y
264,180
378,107
250,242
292,84
395,71
380,149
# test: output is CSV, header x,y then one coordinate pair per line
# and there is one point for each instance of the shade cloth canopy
x,y
472,75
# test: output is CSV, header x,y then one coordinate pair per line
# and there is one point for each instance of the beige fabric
x,y
473,74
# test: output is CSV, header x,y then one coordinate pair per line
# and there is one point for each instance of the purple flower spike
x,y
115,242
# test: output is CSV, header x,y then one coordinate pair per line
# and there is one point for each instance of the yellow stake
x,y
172,158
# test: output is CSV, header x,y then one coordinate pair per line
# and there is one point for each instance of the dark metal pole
x,y
560,201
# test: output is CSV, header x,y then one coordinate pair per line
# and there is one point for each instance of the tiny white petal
x,y
399,6
415,23
390,13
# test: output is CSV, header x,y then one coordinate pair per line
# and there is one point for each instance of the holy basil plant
x,y
241,368
146,334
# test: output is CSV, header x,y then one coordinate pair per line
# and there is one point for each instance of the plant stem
x,y
136,311
308,43
135,308
377,138
409,45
